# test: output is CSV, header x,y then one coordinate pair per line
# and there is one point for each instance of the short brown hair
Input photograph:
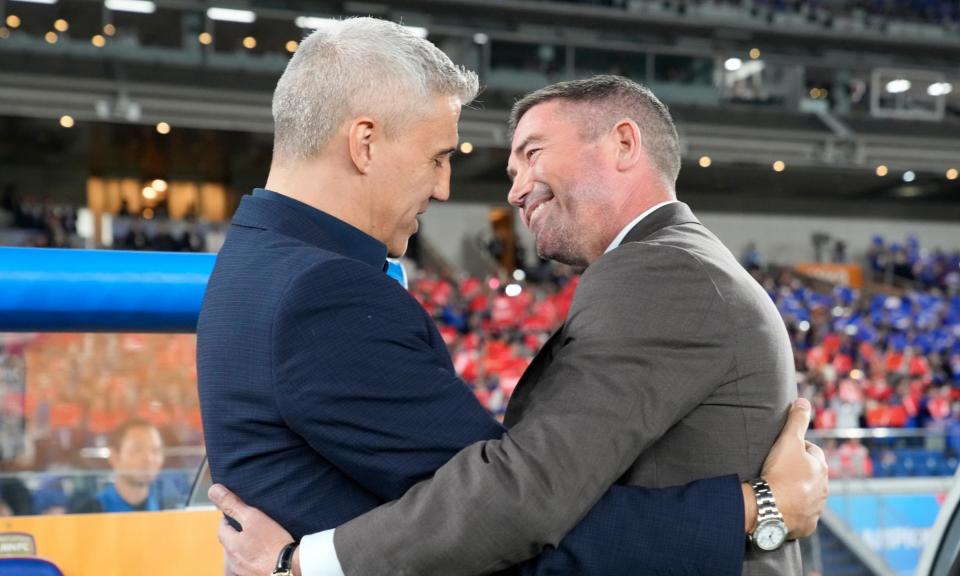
x,y
610,99
116,438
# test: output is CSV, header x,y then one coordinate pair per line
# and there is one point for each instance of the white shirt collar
x,y
626,229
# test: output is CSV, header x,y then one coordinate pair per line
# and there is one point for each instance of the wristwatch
x,y
771,530
285,560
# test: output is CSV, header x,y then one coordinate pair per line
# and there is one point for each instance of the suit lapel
x,y
518,401
673,214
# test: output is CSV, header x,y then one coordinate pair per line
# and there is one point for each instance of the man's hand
x,y
796,471
254,551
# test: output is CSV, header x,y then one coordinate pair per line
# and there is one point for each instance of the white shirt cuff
x,y
318,556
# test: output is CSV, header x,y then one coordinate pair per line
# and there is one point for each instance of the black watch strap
x,y
285,559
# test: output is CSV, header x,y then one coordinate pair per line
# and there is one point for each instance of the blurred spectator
x,y
751,257
15,498
50,498
136,457
908,263
33,223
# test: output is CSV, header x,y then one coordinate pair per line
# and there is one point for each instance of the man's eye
x,y
438,162
531,152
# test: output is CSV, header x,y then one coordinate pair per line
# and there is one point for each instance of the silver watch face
x,y
770,534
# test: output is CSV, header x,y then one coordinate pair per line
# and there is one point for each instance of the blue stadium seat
x,y
905,467
28,567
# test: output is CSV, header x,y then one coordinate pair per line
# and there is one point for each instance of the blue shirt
x,y
111,501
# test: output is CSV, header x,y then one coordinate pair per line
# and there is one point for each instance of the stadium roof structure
x,y
155,70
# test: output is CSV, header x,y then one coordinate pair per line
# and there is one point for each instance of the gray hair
x,y
360,66
609,99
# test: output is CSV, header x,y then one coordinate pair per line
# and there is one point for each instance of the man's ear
x,y
360,137
628,144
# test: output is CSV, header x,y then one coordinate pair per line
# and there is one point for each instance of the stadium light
x,y
66,121
138,6
898,86
37,1
513,290
313,22
909,176
779,166
13,21
882,170
466,147
232,15
61,25
480,38
733,64
705,161
939,89
952,174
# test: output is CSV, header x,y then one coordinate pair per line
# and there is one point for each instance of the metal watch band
x,y
766,504
285,558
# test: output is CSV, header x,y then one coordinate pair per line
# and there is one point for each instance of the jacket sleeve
x,y
640,350
686,530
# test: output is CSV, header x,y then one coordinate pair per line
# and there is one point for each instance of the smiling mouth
x,y
539,196
537,208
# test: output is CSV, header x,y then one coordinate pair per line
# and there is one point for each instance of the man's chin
x,y
561,257
141,481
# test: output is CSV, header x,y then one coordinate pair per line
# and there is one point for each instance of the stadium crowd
x,y
874,12
884,357
44,224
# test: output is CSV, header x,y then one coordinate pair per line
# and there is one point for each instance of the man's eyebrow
x,y
526,142
446,151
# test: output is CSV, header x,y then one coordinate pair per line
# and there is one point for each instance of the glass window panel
x,y
591,61
683,69
98,422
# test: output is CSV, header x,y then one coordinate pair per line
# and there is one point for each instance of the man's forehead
x,y
536,121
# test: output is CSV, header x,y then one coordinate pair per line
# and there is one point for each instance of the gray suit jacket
x,y
673,365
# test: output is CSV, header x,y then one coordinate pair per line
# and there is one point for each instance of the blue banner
x,y
895,526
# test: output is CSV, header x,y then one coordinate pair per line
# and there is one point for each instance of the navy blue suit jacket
x,y
326,391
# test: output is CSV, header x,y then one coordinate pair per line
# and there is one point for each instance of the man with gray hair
x,y
327,391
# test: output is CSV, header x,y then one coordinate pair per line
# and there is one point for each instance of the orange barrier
x,y
849,274
141,543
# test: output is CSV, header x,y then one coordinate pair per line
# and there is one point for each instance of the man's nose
x,y
518,190
441,192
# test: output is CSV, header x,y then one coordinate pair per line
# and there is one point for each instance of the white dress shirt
x,y
318,555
